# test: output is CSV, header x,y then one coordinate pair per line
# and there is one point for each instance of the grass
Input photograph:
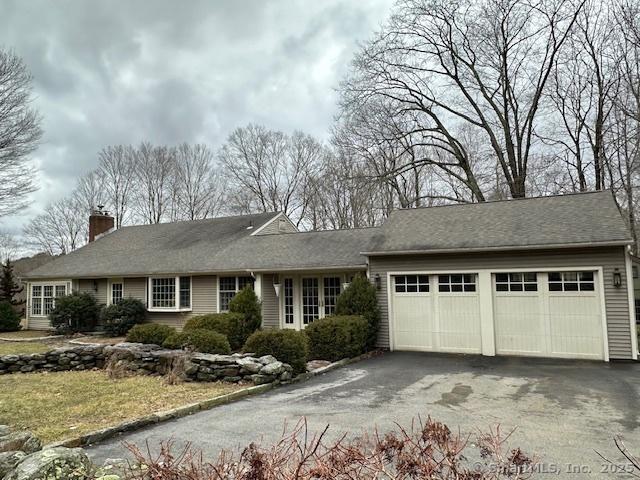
x,y
12,348
66,404
23,334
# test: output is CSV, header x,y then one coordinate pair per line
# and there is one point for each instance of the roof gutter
x,y
498,249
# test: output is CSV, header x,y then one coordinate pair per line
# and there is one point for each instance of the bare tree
x,y
154,172
483,64
90,191
19,133
117,167
197,185
9,246
61,229
268,170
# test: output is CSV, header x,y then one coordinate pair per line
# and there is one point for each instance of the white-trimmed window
x,y
571,282
117,292
169,293
229,286
456,283
288,301
411,283
43,298
517,282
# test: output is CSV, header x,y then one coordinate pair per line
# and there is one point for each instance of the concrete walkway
x,y
563,410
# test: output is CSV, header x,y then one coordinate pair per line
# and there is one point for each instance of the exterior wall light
x,y
276,284
95,286
378,281
617,278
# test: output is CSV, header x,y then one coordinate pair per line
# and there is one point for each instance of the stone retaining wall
x,y
152,360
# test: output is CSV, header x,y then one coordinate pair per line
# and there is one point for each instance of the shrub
x,y
335,338
247,304
288,346
360,298
76,312
118,318
229,324
150,333
200,340
9,318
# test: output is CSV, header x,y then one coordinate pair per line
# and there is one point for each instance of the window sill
x,y
169,310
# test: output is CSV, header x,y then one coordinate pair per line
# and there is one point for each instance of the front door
x,y
307,298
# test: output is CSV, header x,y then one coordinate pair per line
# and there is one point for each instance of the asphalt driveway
x,y
563,410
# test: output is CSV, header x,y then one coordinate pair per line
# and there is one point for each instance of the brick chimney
x,y
99,222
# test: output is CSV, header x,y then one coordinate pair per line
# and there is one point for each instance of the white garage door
x,y
554,314
439,313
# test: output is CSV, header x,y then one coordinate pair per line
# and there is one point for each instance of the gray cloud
x,y
112,72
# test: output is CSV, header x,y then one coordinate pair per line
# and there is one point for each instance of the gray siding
x,y
88,286
270,303
616,301
279,225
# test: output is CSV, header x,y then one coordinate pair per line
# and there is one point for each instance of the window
x,y
310,303
517,282
571,282
170,293
331,292
229,286
634,269
637,310
117,292
457,283
412,283
43,298
288,301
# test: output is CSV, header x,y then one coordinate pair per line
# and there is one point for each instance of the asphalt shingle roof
x,y
225,244
576,219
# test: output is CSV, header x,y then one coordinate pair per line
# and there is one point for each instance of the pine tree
x,y
9,288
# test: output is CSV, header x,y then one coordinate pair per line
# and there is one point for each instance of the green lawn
x,y
9,348
66,404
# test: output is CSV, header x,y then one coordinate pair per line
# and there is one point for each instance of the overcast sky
x,y
120,72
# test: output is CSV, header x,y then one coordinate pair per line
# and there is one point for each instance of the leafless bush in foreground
x,y
427,450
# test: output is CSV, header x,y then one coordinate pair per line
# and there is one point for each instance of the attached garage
x,y
539,277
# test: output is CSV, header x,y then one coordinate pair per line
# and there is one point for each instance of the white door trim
x,y
488,342
630,297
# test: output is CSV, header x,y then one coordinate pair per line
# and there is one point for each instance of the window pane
x,y
310,300
470,287
502,287
555,277
515,277
163,292
456,278
61,290
555,287
570,276
587,287
469,279
185,292
116,292
586,276
225,298
412,288
331,292
47,305
570,287
443,287
400,288
48,290
530,277
502,277
443,278
456,287
36,306
36,291
227,284
412,279
423,287
423,279
516,287
530,287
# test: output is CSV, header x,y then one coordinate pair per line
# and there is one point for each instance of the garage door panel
x,y
459,323
414,322
518,324
575,325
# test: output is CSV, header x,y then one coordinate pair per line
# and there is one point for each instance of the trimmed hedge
x,y
118,318
360,298
76,312
200,340
229,324
9,318
337,337
288,346
150,333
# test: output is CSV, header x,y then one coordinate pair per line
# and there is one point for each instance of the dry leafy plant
x,y
426,450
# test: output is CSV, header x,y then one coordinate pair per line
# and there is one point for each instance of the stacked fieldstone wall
x,y
152,360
